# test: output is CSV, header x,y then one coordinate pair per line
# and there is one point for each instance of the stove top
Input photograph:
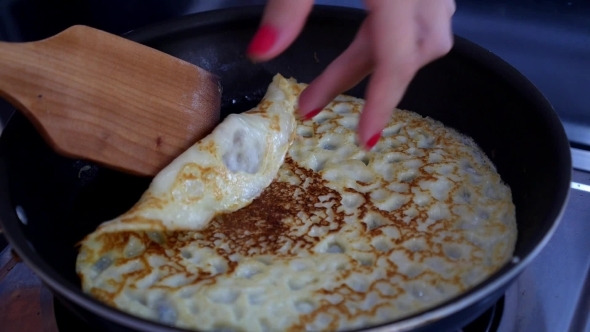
x,y
552,294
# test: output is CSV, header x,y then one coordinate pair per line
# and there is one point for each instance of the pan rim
x,y
477,293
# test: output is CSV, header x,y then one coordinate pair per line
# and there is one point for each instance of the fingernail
x,y
262,42
373,141
312,114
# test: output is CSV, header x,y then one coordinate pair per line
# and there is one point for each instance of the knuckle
x,y
451,7
445,43
438,43
434,33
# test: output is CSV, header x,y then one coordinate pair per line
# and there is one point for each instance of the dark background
x,y
547,40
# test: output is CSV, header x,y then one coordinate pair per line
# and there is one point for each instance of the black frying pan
x,y
470,89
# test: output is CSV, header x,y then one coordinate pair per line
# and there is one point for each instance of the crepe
x,y
221,173
341,238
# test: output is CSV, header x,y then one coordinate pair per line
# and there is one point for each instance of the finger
x,y
395,55
281,22
351,67
385,90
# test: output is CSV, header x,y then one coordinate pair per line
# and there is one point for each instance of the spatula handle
x,y
32,78
20,74
48,82
96,96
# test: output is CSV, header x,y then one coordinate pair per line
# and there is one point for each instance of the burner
x,y
68,321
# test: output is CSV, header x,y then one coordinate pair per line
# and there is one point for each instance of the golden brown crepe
x,y
341,237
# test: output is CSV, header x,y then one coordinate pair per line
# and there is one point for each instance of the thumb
x,y
282,22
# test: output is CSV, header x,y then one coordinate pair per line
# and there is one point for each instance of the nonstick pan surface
x,y
48,202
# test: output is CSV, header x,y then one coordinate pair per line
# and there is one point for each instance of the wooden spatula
x,y
100,97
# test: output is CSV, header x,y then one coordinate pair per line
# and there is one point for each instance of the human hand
x,y
397,38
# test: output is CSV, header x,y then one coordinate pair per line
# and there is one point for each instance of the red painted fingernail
x,y
312,114
262,42
373,141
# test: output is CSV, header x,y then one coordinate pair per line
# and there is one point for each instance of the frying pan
x,y
48,202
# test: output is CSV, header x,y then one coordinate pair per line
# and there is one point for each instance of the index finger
x,y
394,47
